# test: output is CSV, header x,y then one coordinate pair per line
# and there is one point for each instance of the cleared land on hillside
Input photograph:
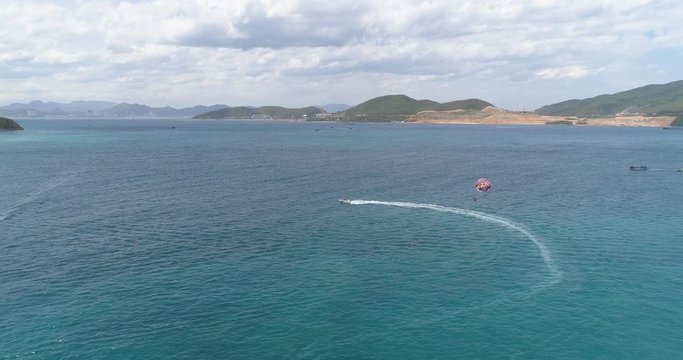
x,y
492,115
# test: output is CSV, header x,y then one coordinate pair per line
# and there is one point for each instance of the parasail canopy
x,y
483,185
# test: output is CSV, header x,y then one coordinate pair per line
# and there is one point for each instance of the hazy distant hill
x,y
275,112
333,108
49,106
665,99
199,109
399,107
138,110
40,108
128,110
99,108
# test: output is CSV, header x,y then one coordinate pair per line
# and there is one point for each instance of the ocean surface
x,y
187,239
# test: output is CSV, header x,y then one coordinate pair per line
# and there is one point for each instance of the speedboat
x,y
638,168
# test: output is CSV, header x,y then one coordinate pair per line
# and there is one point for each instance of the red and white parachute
x,y
483,185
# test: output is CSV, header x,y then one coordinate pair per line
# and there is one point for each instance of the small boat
x,y
638,168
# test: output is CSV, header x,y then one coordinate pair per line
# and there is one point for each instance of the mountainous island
x,y
99,109
404,108
39,108
264,112
657,105
9,125
657,100
666,99
652,105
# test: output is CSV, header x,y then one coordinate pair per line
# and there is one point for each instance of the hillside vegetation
x,y
275,112
9,124
400,107
664,99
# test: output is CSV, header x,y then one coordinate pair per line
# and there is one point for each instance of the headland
x,y
9,125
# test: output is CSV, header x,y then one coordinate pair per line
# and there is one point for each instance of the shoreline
x,y
496,116
509,118
594,122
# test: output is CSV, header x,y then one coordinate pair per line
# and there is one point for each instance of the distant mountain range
x,y
59,108
135,110
650,100
99,109
39,108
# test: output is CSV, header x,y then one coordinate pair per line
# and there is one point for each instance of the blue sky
x,y
519,55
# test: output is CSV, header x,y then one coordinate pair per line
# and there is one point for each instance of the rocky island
x,y
9,124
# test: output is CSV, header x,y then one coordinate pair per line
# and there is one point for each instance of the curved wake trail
x,y
32,196
545,253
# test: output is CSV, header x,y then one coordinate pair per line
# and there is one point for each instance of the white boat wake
x,y
7,211
546,255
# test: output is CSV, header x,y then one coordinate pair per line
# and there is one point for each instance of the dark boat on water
x,y
638,168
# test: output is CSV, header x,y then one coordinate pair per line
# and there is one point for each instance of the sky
x,y
516,54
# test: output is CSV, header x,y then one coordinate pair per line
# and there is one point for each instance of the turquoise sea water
x,y
151,239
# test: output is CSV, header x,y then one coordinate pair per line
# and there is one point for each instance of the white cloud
x,y
173,52
567,72
30,88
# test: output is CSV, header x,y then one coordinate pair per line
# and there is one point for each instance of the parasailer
x,y
483,185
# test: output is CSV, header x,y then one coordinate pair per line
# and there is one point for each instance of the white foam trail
x,y
543,250
32,196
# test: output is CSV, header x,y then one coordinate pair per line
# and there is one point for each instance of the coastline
x,y
451,117
496,116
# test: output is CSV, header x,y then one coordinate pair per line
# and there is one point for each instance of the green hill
x,y
9,124
664,99
275,112
399,107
